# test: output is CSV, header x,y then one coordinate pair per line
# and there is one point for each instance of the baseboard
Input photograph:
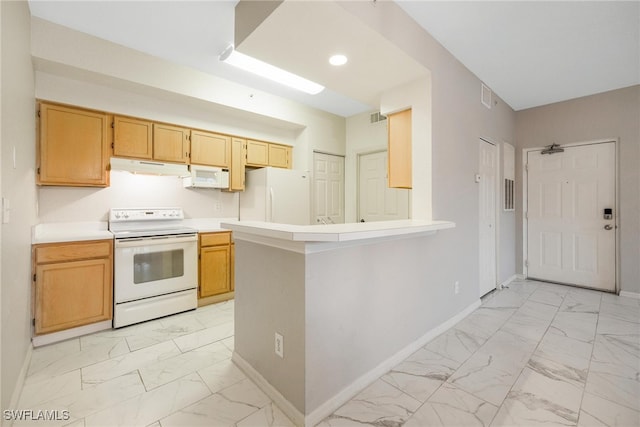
x,y
17,391
346,394
506,282
628,294
521,277
290,411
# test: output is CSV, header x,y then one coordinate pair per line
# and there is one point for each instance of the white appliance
x,y
155,264
276,195
206,177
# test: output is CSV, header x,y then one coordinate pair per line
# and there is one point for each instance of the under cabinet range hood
x,y
149,167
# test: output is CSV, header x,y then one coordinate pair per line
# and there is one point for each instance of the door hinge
x,y
113,125
38,113
34,277
33,322
526,263
526,167
112,145
38,171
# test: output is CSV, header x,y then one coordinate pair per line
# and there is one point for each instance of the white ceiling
x,y
529,53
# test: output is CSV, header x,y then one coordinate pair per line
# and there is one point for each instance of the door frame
x,y
525,197
497,207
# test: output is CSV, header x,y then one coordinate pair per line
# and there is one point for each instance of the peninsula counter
x,y
349,301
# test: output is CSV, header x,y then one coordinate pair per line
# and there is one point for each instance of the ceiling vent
x,y
485,96
377,117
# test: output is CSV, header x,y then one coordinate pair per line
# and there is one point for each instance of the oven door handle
x,y
160,240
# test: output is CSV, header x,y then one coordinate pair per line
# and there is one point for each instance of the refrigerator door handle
x,y
271,199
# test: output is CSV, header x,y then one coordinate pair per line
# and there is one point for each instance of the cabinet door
x,y
170,143
73,147
238,158
214,270
210,149
70,294
399,167
257,153
132,138
279,156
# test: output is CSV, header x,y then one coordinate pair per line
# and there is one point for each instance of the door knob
x,y
608,227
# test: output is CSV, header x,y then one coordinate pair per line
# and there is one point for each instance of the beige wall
x,y
614,114
458,120
18,186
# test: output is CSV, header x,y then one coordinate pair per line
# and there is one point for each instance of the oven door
x,y
152,266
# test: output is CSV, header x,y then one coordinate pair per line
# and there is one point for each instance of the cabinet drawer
x,y
73,251
214,239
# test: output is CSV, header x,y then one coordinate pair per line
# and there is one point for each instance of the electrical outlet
x,y
456,287
279,345
218,206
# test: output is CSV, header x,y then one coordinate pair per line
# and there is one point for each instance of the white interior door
x,y
376,201
328,188
569,240
488,177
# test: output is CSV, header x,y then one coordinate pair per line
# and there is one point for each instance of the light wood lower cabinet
x,y
215,282
73,284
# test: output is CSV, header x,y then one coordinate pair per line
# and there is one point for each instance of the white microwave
x,y
206,177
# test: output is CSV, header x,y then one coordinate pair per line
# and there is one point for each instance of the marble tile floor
x,y
532,354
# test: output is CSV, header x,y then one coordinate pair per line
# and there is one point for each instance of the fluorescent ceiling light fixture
x,y
255,66
338,60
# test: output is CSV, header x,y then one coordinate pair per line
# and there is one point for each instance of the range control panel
x,y
142,214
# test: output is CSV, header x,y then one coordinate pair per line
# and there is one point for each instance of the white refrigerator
x,y
276,195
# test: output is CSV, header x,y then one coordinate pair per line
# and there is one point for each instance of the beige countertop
x,y
350,232
55,232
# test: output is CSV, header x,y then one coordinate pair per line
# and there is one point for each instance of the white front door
x,y
328,188
488,176
569,240
376,201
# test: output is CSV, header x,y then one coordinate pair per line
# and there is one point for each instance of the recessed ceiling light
x,y
338,60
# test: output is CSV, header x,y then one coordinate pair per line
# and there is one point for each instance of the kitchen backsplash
x,y
58,204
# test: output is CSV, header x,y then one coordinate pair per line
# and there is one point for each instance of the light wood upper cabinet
x,y
210,149
280,156
72,284
257,153
170,143
238,158
73,146
215,267
260,154
132,138
399,168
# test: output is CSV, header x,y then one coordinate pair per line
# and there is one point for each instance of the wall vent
x,y
509,171
509,195
377,117
485,96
